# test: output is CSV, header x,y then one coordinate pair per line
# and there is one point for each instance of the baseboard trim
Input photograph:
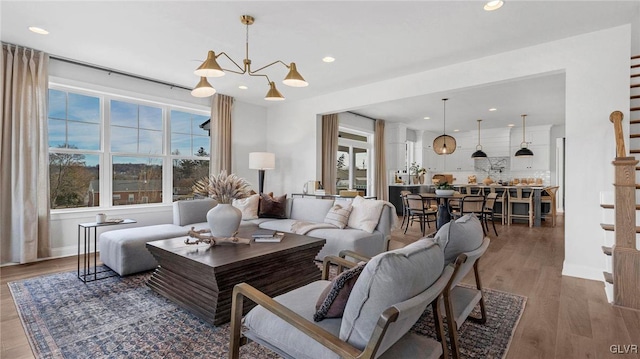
x,y
584,272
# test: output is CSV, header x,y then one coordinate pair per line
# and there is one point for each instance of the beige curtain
x,y
24,158
330,152
220,129
380,175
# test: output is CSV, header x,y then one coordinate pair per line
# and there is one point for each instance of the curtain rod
x,y
112,71
357,114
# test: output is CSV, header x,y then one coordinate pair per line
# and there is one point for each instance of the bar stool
x,y
501,198
518,196
549,196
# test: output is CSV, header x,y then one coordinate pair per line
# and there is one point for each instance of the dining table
x,y
444,208
536,189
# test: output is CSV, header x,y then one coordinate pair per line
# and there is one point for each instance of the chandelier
x,y
211,68
444,144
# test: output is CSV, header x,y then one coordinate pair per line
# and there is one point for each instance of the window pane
x,y
150,117
201,146
124,114
84,108
57,104
85,136
73,180
136,180
180,122
150,142
57,133
124,140
343,168
197,121
185,173
180,144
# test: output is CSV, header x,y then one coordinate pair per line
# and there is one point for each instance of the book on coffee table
x,y
276,238
263,233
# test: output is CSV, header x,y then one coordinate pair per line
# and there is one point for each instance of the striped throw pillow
x,y
338,215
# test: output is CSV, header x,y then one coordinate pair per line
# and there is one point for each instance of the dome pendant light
x,y
479,152
444,144
523,151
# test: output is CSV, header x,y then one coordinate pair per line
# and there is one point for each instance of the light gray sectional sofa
x,y
125,252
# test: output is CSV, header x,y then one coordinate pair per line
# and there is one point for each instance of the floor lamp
x,y
261,161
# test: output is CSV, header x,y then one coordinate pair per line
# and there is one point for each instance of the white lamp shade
x,y
262,161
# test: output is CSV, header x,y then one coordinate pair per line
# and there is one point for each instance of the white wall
x,y
248,135
597,83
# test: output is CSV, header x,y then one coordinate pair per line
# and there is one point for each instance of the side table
x,y
86,228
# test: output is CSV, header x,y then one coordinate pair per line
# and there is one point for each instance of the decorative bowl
x,y
445,192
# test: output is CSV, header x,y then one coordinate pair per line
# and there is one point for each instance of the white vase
x,y
224,220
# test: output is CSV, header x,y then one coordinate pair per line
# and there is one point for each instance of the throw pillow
x,y
338,215
272,207
333,299
462,235
248,206
365,214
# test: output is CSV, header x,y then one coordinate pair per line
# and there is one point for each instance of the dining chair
x,y
471,204
549,197
405,207
516,196
419,208
489,210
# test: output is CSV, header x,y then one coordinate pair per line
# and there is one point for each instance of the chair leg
x,y
452,326
493,223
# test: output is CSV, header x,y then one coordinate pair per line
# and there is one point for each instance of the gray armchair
x,y
387,299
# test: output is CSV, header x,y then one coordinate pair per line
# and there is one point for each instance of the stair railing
x,y
626,258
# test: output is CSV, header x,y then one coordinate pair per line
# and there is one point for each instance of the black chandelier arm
x,y
271,64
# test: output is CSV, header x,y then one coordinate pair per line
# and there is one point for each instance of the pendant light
x,y
523,151
444,144
479,152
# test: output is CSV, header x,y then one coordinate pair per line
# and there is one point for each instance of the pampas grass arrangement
x,y
222,187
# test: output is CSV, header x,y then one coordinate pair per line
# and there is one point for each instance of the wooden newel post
x,y
626,258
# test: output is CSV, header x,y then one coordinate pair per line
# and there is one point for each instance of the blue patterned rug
x,y
123,318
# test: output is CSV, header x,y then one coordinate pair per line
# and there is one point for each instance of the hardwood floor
x,y
565,317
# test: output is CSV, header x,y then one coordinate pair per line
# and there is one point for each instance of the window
x,y
131,166
189,152
74,149
354,160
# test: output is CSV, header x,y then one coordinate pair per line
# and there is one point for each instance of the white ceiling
x,y
371,41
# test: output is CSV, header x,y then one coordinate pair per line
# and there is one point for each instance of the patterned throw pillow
x,y
333,299
273,207
338,215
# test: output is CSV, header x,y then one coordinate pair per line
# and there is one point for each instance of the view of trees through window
x,y
133,157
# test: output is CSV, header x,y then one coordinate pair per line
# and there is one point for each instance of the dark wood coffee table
x,y
201,278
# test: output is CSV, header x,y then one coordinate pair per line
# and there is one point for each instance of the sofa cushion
x,y
192,211
272,207
334,298
310,209
338,215
365,214
248,206
387,279
462,235
273,332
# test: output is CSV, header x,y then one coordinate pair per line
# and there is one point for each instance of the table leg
x,y
537,210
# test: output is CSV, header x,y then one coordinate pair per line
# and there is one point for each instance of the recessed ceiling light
x,y
427,118
38,30
493,5
328,59
242,87
456,130
511,125
493,109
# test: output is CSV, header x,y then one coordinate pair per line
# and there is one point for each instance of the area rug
x,y
123,318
